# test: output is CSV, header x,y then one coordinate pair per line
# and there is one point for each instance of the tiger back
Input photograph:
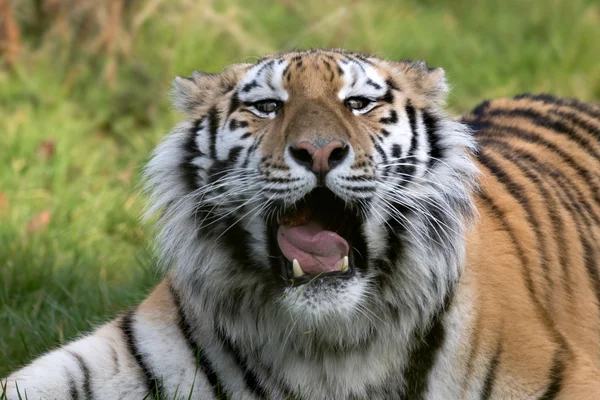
x,y
538,244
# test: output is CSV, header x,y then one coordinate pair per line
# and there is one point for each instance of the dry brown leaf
x,y
10,37
4,204
47,149
39,221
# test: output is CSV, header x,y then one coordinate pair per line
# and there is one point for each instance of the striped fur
x,y
442,304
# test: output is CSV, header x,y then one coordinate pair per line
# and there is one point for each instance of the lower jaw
x,y
291,280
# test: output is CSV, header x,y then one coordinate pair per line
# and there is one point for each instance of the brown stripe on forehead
x,y
311,72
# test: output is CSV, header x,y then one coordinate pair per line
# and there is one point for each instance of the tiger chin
x,y
329,232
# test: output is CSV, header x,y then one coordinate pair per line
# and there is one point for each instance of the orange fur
x,y
558,316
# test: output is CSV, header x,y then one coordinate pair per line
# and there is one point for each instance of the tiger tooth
x,y
344,264
297,270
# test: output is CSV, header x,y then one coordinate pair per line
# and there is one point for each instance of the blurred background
x,y
83,100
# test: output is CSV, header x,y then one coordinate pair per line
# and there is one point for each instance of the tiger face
x,y
319,181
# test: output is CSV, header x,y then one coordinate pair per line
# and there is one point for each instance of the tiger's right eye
x,y
357,103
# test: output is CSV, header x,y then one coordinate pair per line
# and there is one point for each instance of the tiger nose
x,y
319,159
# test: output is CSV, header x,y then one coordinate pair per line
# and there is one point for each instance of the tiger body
x,y
471,266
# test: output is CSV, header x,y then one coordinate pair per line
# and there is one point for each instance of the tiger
x,y
328,231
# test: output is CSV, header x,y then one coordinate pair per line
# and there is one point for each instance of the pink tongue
x,y
316,249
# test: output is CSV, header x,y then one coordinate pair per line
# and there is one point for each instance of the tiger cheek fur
x,y
328,232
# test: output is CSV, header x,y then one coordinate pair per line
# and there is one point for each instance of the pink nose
x,y
319,159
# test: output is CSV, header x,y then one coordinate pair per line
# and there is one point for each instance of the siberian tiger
x,y
330,233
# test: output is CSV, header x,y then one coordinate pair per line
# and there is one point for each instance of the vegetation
x,y
83,100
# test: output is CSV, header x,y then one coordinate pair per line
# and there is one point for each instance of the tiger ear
x,y
427,84
204,89
190,93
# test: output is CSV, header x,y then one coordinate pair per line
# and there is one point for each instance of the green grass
x,y
104,114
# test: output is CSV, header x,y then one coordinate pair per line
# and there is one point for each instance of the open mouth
x,y
315,238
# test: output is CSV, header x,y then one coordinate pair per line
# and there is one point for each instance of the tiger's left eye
x,y
267,106
357,103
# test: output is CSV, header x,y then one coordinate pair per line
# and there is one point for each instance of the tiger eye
x,y
357,103
267,106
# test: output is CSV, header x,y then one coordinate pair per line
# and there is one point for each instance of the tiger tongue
x,y
316,249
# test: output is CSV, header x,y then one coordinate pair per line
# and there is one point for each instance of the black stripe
x,y
234,104
286,70
213,128
480,109
431,130
196,351
268,64
360,189
572,203
371,83
518,192
491,373
500,216
282,180
423,355
551,205
234,154
410,112
87,389
549,121
392,119
409,170
233,124
576,119
388,97
189,171
391,84
363,59
486,129
384,158
354,79
386,265
586,108
356,62
562,181
249,86
358,178
153,386
255,143
73,393
555,377
542,312
250,378
237,240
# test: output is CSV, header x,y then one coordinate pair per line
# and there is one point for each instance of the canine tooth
x,y
344,264
297,270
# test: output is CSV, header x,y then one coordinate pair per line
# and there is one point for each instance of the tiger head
x,y
320,183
